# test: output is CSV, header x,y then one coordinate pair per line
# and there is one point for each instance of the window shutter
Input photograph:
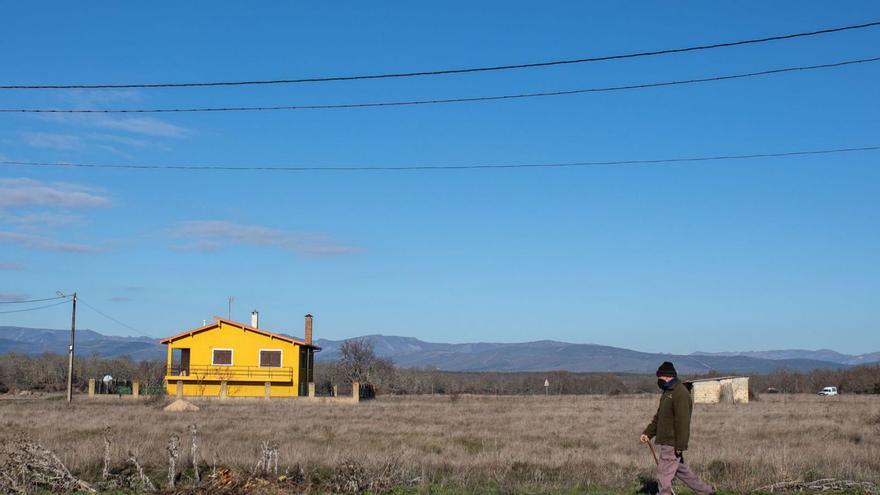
x,y
270,359
222,357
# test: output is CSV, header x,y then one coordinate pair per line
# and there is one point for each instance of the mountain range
x,y
410,352
33,341
546,355
820,355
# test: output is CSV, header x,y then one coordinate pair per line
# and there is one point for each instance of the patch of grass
x,y
494,489
469,444
474,444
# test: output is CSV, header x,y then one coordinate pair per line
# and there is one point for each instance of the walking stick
x,y
651,446
657,462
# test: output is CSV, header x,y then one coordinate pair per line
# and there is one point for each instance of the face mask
x,y
661,383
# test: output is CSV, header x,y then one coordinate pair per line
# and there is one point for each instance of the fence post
x,y
223,389
268,392
135,389
356,392
179,389
335,390
311,389
91,387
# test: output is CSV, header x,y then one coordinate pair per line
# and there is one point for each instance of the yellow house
x,y
230,359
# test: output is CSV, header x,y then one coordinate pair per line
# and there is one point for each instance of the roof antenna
x,y
229,312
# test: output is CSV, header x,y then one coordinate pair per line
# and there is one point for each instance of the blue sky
x,y
760,254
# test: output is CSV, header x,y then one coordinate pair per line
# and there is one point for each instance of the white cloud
x,y
42,218
85,98
213,235
141,125
54,141
24,192
148,126
14,296
32,241
199,246
28,206
128,141
118,128
104,140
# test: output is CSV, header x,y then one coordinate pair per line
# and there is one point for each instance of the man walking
x,y
672,427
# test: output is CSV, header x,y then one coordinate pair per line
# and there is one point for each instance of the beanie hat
x,y
666,369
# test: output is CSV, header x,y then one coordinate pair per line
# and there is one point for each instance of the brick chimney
x,y
255,319
308,336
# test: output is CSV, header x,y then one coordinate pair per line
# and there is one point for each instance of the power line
x,y
448,167
32,300
446,100
439,72
34,309
96,310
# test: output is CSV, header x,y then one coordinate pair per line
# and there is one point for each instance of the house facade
x,y
230,359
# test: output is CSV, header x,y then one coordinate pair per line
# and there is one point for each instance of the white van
x,y
828,391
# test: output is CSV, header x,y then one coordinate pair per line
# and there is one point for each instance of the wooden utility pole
x,y
70,351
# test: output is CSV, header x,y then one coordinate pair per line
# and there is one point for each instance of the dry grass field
x,y
531,444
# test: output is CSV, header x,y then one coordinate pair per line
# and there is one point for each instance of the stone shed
x,y
730,389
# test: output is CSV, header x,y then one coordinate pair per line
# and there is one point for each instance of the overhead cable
x,y
34,309
442,100
439,72
32,300
445,167
96,310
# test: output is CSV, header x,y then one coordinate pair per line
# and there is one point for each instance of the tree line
x,y
48,372
359,363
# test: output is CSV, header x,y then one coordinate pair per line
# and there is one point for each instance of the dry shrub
x,y
753,395
469,444
726,472
511,444
26,466
155,400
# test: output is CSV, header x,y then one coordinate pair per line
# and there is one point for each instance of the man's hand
x,y
644,438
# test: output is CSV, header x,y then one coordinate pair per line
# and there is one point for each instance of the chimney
x,y
255,319
308,337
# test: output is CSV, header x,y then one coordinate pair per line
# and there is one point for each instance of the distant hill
x,y
542,355
88,343
820,355
551,355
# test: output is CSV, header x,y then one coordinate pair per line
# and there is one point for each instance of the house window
x,y
222,357
270,358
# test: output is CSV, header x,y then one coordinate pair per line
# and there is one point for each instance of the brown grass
x,y
531,441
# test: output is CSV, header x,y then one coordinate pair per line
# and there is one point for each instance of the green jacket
x,y
672,423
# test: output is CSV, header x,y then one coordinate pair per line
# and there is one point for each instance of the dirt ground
x,y
531,444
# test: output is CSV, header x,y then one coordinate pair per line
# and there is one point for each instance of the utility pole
x,y
70,351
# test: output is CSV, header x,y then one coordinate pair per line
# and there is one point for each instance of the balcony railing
x,y
246,373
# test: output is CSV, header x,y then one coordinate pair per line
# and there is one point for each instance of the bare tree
x,y
359,363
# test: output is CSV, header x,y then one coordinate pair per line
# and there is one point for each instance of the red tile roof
x,y
219,320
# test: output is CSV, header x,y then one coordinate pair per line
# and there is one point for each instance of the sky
x,y
711,256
